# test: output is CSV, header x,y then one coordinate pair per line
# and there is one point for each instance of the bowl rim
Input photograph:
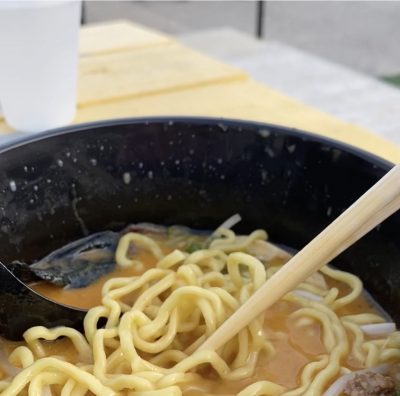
x,y
199,120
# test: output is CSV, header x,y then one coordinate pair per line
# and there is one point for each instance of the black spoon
x,y
76,264
21,308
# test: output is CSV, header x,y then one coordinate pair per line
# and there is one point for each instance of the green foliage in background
x,y
395,80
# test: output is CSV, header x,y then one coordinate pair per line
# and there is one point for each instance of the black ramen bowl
x,y
69,182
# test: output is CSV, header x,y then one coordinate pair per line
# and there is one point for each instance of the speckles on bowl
x,y
223,127
264,133
13,186
126,177
269,151
336,154
264,174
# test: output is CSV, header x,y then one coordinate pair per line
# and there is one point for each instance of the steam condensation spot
x,y
264,133
13,186
126,177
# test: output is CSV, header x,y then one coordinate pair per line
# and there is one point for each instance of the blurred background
x,y
362,35
341,57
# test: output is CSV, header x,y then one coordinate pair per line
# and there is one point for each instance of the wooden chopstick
x,y
377,204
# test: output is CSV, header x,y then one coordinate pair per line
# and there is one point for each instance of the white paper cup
x,y
39,43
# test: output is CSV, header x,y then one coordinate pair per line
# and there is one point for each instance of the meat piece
x,y
370,384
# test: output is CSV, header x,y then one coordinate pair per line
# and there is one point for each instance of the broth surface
x,y
295,345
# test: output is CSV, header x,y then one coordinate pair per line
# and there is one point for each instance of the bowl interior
x,y
196,172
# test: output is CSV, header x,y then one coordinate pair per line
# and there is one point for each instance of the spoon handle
x,y
22,308
377,204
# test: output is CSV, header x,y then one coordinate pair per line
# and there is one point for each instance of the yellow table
x,y
127,70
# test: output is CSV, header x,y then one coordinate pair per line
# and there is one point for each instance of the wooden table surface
x,y
127,70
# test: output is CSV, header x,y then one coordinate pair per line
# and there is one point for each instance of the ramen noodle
x,y
142,336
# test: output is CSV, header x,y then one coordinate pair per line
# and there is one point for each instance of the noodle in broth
x,y
156,319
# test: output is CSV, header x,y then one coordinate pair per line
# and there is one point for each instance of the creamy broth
x,y
296,342
295,346
90,296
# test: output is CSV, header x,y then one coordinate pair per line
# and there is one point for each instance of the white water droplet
x,y
150,174
126,177
60,163
264,174
93,161
264,133
13,186
269,151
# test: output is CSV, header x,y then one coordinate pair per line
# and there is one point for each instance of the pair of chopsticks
x,y
377,204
